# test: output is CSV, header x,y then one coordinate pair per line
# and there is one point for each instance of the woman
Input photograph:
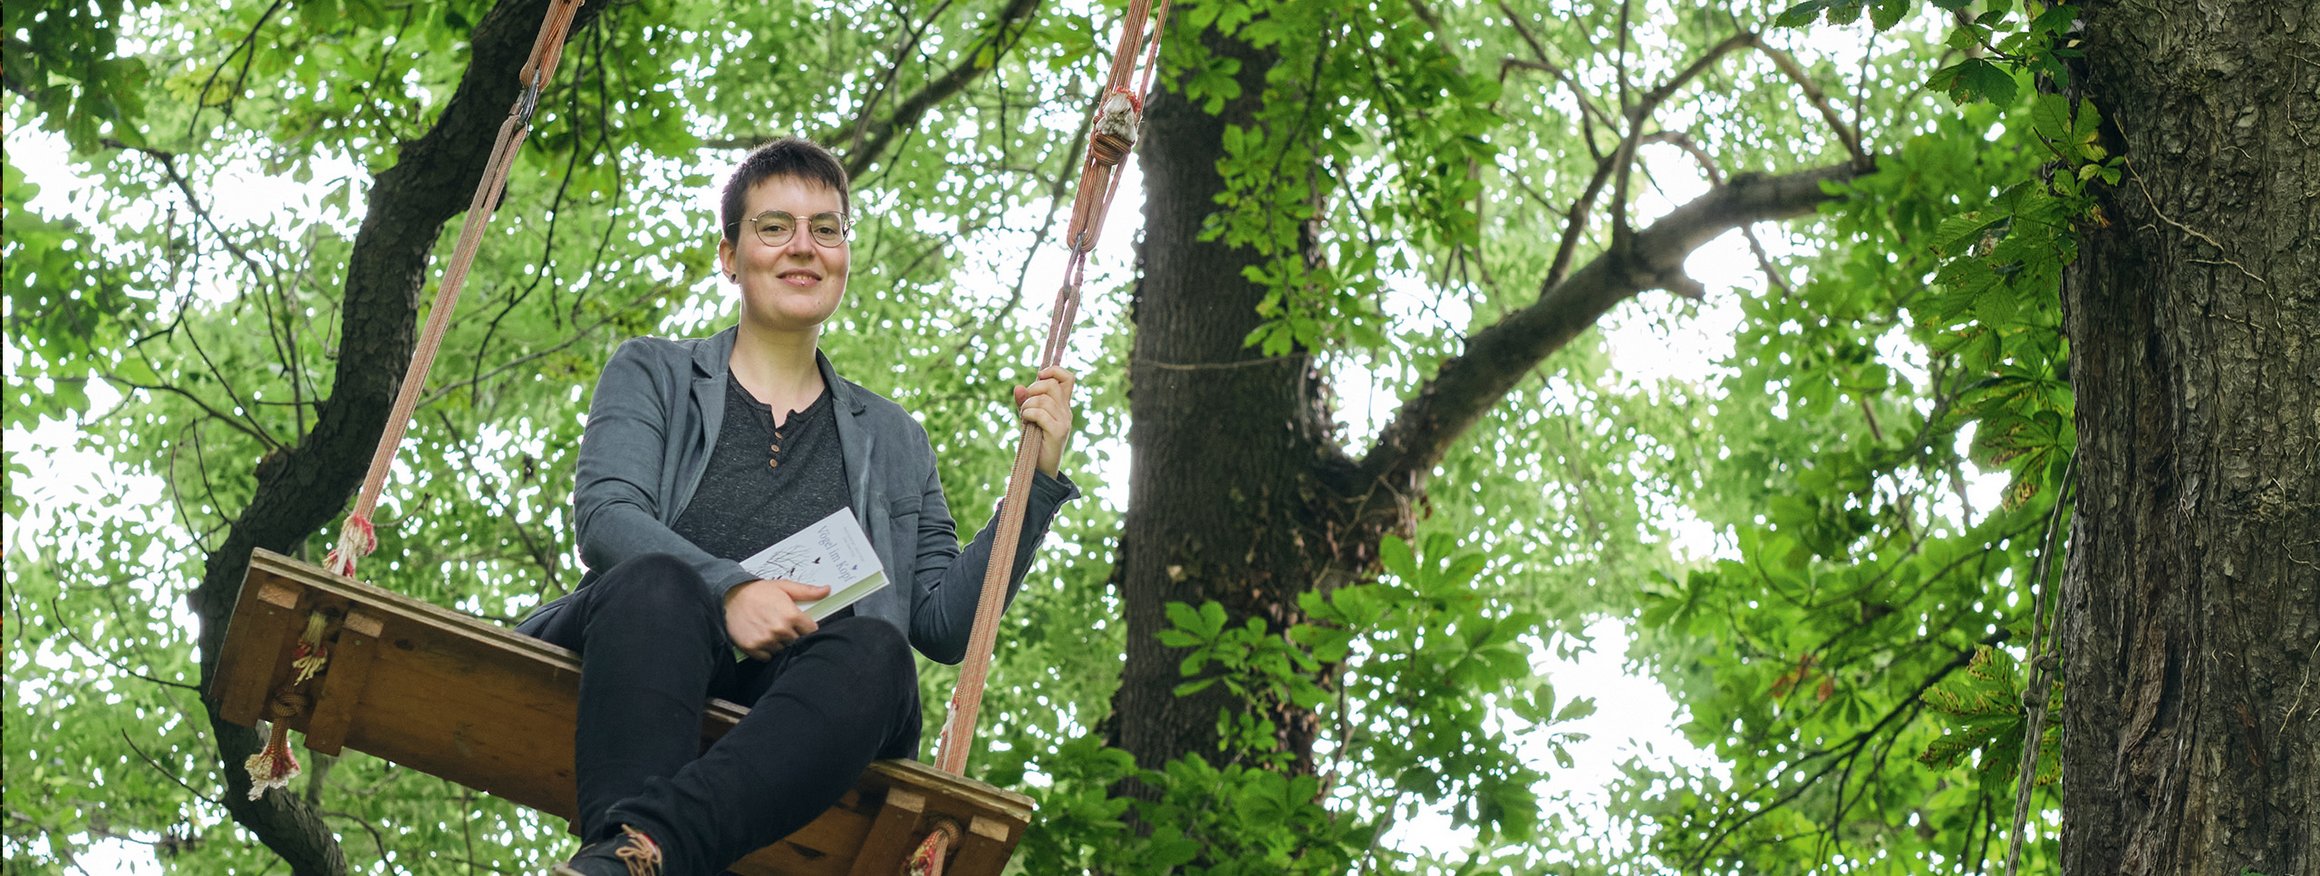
x,y
701,452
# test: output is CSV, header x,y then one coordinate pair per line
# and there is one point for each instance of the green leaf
x,y
1394,554
1975,79
1884,14
1801,14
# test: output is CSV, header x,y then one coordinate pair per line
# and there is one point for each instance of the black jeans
x,y
653,649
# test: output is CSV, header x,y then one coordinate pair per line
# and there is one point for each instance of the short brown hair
x,y
793,157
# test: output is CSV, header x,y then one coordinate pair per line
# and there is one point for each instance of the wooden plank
x,y
258,641
984,849
483,706
343,680
892,834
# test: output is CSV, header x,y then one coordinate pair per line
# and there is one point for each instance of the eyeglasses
x,y
775,228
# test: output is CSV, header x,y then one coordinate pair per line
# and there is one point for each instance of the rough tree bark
x,y
301,489
1241,492
2192,591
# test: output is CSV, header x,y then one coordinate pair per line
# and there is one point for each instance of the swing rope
x,y
357,538
274,765
1118,115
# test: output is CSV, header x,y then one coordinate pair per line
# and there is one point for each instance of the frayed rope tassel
x,y
274,766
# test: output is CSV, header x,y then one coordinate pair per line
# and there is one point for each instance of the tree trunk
x,y
2192,593
1242,492
1225,442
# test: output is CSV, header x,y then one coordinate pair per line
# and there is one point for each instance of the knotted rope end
x,y
1117,120
356,539
928,858
273,766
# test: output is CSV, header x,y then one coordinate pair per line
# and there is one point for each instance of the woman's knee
x,y
655,586
877,647
886,673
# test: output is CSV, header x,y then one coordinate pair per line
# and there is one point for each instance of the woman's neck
x,y
777,368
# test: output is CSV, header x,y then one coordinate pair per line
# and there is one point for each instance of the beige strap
x,y
1098,182
356,537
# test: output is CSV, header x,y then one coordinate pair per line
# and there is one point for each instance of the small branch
x,y
1813,93
872,140
1497,357
915,32
431,396
1764,263
1683,141
1959,661
157,767
246,45
1587,108
1623,159
197,401
168,162
2045,618
378,838
1064,177
57,605
1575,221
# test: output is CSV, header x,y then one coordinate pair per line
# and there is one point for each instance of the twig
x,y
2194,232
157,767
197,401
2040,688
1819,99
1587,108
1297,356
914,32
56,604
520,361
1055,193
378,839
1764,262
246,46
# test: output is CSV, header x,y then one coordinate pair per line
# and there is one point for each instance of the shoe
x,y
629,854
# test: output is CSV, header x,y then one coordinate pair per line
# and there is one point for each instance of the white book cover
x,y
831,552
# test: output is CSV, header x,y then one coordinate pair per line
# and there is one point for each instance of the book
x,y
831,552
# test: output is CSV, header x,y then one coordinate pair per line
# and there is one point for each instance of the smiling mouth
x,y
800,277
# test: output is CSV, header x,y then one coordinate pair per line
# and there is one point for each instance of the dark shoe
x,y
629,854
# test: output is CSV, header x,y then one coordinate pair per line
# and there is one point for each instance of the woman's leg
x,y
832,702
651,642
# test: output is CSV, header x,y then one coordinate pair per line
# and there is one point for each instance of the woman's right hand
x,y
762,616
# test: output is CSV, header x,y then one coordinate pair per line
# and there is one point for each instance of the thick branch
x,y
301,489
873,138
1497,357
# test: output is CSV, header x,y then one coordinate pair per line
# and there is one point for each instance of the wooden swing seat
x,y
486,707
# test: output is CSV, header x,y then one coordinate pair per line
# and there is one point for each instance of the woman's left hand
x,y
1046,403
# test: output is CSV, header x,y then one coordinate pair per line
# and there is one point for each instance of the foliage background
x,y
1844,639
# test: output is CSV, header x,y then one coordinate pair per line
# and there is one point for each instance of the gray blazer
x,y
651,427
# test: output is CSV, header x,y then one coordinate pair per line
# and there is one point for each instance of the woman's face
x,y
796,285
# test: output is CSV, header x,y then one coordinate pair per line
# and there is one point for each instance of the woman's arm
x,y
951,581
616,495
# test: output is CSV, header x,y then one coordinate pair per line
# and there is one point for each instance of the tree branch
x,y
1818,98
872,139
1497,357
300,489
